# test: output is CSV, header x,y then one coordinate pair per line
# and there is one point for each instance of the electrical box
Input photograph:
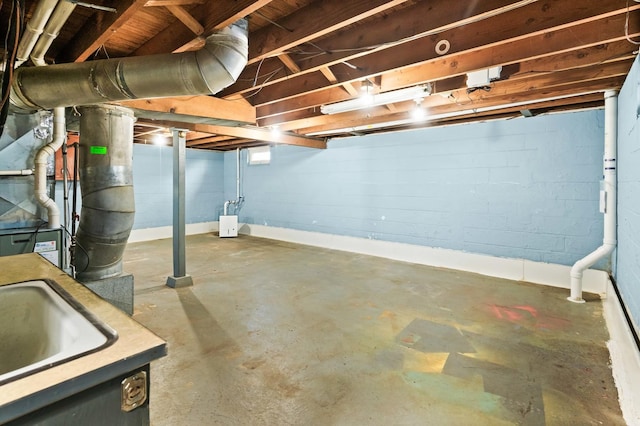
x,y
228,226
483,77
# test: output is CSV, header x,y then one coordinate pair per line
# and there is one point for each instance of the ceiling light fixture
x,y
451,114
408,94
159,139
418,113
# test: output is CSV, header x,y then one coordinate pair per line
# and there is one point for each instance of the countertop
x,y
136,345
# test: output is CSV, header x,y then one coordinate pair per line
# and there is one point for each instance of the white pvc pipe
x,y
56,22
34,28
25,172
610,196
235,202
238,175
41,193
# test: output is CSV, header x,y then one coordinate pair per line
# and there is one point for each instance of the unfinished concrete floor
x,y
282,334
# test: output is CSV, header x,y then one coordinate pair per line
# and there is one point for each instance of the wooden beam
x,y
97,31
155,3
198,106
444,17
215,15
310,22
470,38
329,75
487,100
186,18
405,23
209,140
511,51
289,63
262,135
522,84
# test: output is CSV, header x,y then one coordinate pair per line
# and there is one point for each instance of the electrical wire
x,y
626,28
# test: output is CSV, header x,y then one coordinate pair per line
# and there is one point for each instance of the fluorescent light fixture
x,y
411,120
408,94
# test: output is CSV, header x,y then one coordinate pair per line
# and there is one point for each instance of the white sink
x,y
42,326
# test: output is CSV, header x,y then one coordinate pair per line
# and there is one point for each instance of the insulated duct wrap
x,y
206,71
106,155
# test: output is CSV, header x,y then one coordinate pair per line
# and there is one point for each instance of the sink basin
x,y
42,326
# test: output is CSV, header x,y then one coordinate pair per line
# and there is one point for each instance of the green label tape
x,y
98,150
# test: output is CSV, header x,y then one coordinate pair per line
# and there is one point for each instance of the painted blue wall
x,y
521,188
153,186
628,252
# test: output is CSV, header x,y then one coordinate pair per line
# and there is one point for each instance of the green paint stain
x,y
98,150
455,391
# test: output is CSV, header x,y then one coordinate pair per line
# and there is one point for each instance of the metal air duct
x,y
106,176
206,71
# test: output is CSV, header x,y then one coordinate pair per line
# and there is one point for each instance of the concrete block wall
x,y
627,272
153,186
153,182
522,188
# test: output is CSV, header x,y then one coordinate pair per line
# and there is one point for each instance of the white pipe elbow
x,y
40,172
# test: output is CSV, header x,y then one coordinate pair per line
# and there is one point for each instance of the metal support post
x,y
180,277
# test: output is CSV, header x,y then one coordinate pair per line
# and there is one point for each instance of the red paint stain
x,y
527,315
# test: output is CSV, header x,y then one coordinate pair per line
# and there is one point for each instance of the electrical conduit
x,y
610,196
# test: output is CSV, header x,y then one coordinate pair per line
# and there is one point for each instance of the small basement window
x,y
259,155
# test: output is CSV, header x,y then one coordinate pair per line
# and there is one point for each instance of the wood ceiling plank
x,y
443,15
533,96
610,29
598,54
97,31
198,106
196,135
156,3
185,17
330,76
554,38
233,144
252,133
208,140
310,22
215,15
262,135
516,85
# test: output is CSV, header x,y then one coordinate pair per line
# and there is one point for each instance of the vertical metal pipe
x,y
180,277
106,182
179,246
